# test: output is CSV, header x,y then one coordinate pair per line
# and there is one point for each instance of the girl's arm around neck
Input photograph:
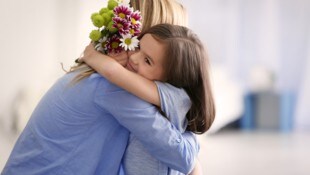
x,y
120,76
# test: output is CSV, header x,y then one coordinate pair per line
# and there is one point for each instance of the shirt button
x,y
178,140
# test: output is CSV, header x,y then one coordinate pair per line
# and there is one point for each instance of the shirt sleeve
x,y
161,138
175,103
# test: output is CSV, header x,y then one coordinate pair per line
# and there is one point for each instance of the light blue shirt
x,y
84,129
175,103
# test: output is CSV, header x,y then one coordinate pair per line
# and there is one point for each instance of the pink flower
x,y
135,27
122,12
134,31
122,25
113,44
135,18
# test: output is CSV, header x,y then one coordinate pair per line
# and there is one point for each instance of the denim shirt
x,y
84,129
175,103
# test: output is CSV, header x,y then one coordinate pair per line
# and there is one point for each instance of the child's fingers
x,y
120,57
89,49
123,62
131,52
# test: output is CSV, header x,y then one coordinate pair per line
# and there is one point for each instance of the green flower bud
x,y
112,4
107,19
111,28
103,10
93,15
110,24
98,20
110,13
95,35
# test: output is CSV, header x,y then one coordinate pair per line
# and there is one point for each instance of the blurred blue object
x,y
247,120
288,101
268,111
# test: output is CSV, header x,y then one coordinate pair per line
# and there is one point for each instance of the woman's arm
x,y
119,75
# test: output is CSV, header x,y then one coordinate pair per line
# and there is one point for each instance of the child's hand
x,y
90,52
121,57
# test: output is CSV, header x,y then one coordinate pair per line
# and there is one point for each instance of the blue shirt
x,y
84,129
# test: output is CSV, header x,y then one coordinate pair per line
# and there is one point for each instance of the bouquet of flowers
x,y
118,26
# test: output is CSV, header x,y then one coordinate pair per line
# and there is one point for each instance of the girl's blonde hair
x,y
153,12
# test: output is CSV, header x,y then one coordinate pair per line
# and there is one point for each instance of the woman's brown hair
x,y
186,66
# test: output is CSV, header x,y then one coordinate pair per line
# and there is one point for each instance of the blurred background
x,y
260,62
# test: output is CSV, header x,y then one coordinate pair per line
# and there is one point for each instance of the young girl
x,y
168,53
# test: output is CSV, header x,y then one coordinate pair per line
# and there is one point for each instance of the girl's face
x,y
149,60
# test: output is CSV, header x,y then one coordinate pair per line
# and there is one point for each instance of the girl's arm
x,y
119,75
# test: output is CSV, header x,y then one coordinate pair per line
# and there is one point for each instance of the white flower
x,y
100,46
128,42
123,2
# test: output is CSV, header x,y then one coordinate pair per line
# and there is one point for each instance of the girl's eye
x,y
147,61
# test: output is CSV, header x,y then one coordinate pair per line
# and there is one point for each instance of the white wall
x,y
36,36
28,46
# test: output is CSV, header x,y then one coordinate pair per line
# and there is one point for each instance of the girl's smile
x,y
129,66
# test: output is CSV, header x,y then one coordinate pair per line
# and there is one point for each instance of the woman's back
x,y
65,123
